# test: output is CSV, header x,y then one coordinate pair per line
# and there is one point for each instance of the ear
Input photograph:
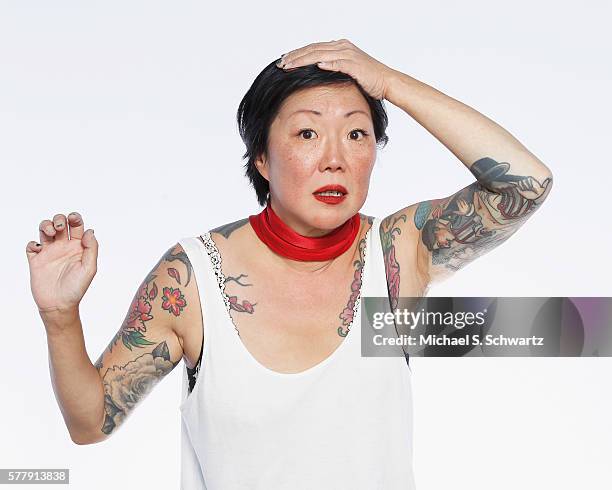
x,y
261,163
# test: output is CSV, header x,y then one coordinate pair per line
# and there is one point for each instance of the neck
x,y
298,266
315,268
305,248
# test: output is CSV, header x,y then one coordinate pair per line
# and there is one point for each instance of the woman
x,y
262,310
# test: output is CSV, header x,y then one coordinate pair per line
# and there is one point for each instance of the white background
x,y
125,111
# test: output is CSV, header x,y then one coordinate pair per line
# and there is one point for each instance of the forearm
x,y
77,385
468,134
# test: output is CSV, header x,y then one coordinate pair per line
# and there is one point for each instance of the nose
x,y
332,158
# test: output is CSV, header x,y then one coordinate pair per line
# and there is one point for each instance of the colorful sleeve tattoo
x,y
481,216
159,294
172,300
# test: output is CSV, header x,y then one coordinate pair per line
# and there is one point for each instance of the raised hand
x,y
63,264
343,56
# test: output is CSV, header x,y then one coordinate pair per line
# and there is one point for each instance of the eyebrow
x,y
317,113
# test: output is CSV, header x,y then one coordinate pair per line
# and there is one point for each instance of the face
x,y
313,143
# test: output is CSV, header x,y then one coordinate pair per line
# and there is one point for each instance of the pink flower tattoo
x,y
140,312
173,301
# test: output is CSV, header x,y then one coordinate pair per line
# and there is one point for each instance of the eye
x,y
307,131
362,131
310,132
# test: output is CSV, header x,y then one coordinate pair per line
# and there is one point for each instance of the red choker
x,y
281,239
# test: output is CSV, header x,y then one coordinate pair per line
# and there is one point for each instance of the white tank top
x,y
345,423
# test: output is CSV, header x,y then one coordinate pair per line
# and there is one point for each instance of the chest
x,y
290,322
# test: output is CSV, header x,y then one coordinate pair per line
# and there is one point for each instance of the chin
x,y
332,217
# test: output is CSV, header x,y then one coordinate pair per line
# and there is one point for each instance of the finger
x,y
90,252
32,249
59,223
76,225
313,55
329,58
312,46
342,65
296,53
46,231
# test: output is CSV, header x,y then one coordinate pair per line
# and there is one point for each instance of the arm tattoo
x,y
133,329
173,301
182,257
134,326
125,386
464,226
98,363
388,230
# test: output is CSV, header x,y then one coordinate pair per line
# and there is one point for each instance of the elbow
x,y
547,175
80,442
85,441
541,183
548,184
87,438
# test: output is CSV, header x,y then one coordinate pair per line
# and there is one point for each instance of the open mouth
x,y
330,194
331,190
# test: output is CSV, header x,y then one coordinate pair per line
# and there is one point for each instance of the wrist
x,y
59,318
393,80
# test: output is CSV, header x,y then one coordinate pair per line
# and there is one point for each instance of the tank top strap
x,y
224,330
206,262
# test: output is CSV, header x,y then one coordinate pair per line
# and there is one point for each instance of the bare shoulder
x,y
181,298
227,229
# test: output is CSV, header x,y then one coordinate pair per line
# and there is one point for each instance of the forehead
x,y
330,101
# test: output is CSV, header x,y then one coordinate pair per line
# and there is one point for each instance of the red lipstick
x,y
330,194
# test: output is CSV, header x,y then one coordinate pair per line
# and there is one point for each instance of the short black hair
x,y
262,101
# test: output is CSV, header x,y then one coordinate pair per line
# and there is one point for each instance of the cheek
x,y
363,169
290,171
